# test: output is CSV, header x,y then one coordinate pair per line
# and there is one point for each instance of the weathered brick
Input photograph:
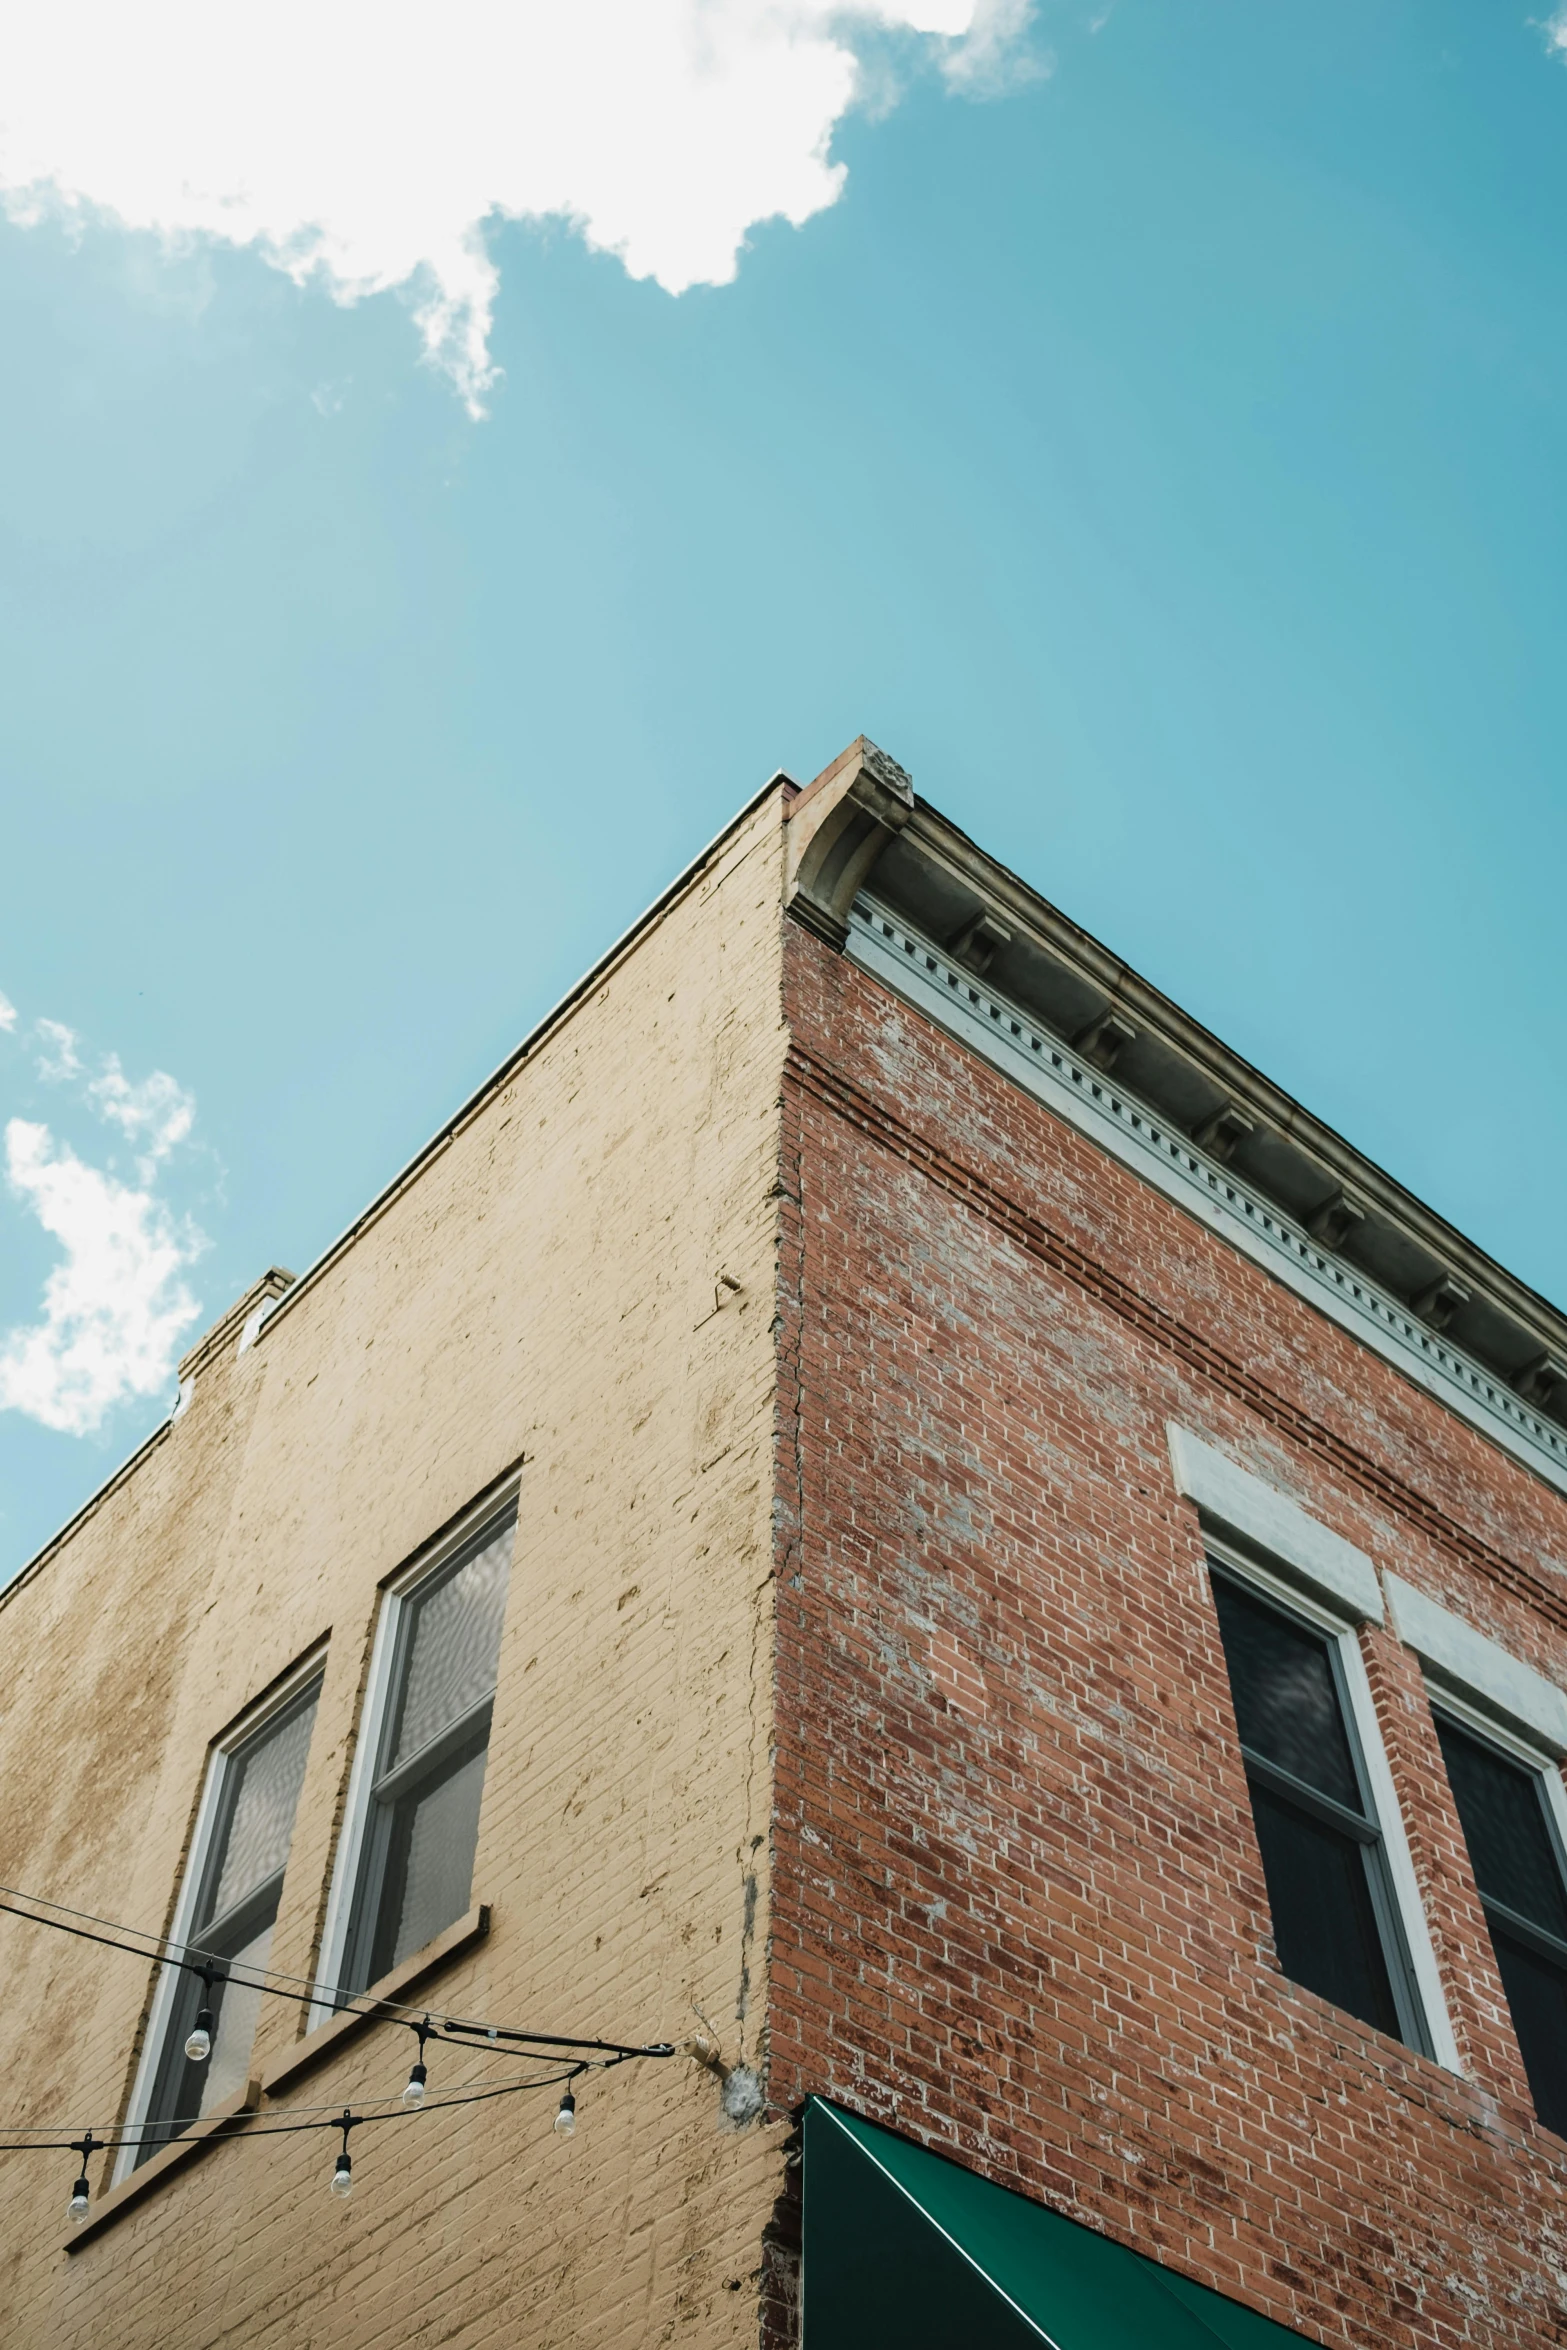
x,y
860,1688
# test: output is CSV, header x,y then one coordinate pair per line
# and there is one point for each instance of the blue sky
x,y
1158,446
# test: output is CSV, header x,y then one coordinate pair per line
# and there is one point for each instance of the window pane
x,y
184,2089
265,1795
234,1919
1286,1705
429,1866
228,2067
1502,1813
1537,1994
1324,1924
455,1646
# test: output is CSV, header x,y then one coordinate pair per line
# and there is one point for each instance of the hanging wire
x,y
194,1960
245,2124
570,2057
169,2133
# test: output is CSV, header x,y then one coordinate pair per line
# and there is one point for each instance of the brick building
x,y
880,1510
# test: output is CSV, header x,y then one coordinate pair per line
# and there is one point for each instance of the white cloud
x,y
992,58
368,145
114,1307
1555,31
59,1059
158,1113
7,1013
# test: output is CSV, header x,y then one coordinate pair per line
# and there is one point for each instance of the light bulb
x,y
566,2119
199,2046
413,2095
343,2178
79,2206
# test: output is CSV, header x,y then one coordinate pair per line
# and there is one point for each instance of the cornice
x,y
861,827
1068,1082
939,844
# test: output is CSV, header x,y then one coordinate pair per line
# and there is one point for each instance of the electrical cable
x,y
341,2003
126,2133
243,2122
235,2122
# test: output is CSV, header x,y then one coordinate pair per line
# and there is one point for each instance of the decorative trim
x,y
837,832
1297,1543
1068,1083
1025,1231
1480,1669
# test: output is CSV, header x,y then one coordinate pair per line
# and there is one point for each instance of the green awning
x,y
905,2249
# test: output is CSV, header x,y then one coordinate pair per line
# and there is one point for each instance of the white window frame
x,y
1481,1670
1533,1754
1286,1593
395,1596
208,1811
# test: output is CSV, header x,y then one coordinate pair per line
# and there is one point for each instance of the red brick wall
x,y
1018,1907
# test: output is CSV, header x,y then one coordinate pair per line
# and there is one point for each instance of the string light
x,y
199,2046
42,2137
567,2057
304,1992
345,2119
343,2177
413,2095
81,2194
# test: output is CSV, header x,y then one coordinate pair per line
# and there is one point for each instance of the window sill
x,y
300,2059
388,1993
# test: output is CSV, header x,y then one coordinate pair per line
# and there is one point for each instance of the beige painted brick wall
x,y
544,1286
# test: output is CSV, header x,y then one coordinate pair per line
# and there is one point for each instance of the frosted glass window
x,y
455,1644
416,1867
236,1908
268,1777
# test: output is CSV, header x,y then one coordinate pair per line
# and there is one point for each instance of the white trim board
x,y
1479,1668
1014,1042
1309,1552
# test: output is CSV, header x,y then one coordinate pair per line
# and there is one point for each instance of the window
x,y
438,1647
241,1852
1517,1861
1336,1924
